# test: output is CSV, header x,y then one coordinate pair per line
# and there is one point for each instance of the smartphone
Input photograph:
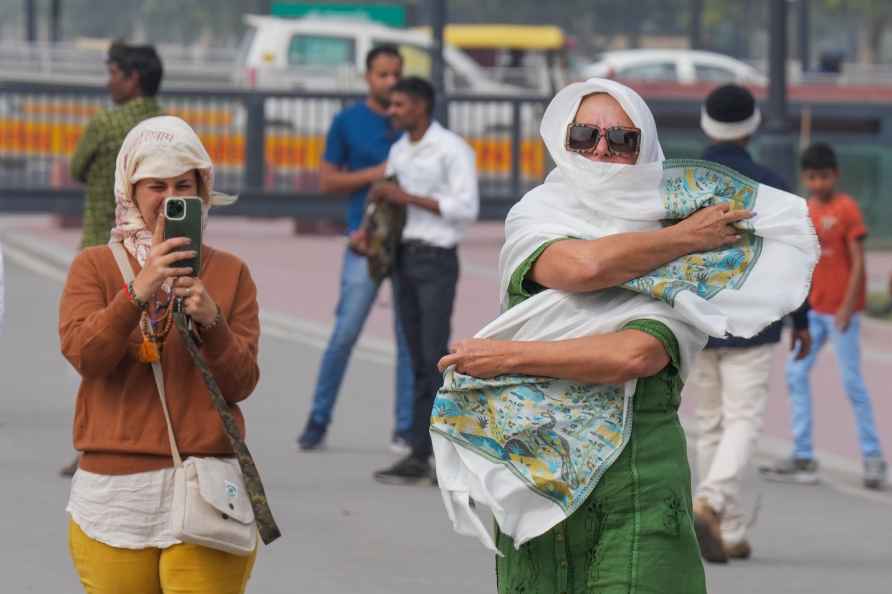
x,y
183,219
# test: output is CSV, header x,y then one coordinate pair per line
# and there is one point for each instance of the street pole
x,y
804,36
777,142
55,21
438,64
30,21
695,24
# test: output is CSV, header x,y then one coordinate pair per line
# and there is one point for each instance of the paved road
x,y
344,533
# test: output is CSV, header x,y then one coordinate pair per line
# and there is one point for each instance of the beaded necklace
x,y
155,328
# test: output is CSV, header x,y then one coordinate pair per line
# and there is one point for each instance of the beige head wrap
x,y
160,147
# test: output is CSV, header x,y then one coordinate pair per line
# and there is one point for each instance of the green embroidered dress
x,y
635,531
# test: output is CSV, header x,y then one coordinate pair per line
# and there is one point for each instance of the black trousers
x,y
426,280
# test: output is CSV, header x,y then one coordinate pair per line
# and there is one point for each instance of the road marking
x,y
846,489
316,335
34,264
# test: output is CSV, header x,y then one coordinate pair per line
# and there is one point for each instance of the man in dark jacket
x,y
730,378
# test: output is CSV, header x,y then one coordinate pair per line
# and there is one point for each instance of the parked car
x,y
670,65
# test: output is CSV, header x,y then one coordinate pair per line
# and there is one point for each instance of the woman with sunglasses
x,y
634,530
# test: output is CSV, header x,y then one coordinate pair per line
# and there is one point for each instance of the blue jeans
x,y
847,346
358,293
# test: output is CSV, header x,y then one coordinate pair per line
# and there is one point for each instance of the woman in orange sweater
x,y
120,502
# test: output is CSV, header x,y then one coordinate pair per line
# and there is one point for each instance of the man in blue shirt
x,y
355,153
729,381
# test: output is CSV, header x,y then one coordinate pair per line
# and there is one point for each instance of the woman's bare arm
x,y
581,266
604,359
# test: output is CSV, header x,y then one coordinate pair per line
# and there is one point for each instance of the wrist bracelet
x,y
213,323
131,294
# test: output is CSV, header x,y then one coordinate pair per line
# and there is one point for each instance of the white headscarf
x,y
561,112
612,187
160,147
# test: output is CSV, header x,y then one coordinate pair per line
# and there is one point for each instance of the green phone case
x,y
188,224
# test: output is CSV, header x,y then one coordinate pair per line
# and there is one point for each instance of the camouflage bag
x,y
383,224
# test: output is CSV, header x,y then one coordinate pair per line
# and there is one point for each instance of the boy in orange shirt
x,y
837,299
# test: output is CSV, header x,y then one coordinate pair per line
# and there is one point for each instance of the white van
x,y
328,54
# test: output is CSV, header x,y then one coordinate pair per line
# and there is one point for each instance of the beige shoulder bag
x,y
211,506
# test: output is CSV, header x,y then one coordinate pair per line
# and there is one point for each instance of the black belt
x,y
416,245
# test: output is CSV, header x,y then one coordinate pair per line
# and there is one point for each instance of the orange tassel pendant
x,y
148,352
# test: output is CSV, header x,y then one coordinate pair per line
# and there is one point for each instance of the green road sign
x,y
392,15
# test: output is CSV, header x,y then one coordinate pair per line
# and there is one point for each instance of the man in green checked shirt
x,y
134,76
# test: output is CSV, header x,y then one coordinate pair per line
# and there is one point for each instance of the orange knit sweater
x,y
118,423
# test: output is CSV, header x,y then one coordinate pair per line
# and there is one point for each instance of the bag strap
x,y
127,272
263,515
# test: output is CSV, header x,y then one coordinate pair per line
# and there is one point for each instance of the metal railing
x,y
266,146
77,62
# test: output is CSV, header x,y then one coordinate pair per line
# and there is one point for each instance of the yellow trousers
x,y
180,569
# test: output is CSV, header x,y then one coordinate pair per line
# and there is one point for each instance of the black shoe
x,y
792,470
707,525
738,550
408,471
874,473
68,470
313,437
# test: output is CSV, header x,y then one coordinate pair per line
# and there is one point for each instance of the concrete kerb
x,y
52,261
49,261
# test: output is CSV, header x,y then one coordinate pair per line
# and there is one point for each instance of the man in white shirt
x,y
437,182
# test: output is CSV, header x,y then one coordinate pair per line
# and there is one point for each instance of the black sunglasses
x,y
583,138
